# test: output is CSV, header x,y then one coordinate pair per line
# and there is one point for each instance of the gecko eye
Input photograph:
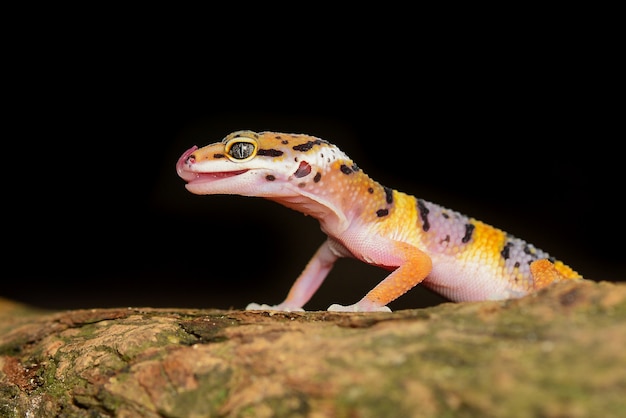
x,y
241,149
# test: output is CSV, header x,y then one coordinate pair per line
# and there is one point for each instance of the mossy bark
x,y
558,353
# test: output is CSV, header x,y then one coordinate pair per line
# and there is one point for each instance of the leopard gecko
x,y
418,241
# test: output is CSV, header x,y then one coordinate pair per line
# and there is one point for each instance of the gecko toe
x,y
265,307
357,308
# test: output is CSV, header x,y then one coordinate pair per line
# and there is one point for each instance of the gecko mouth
x,y
194,177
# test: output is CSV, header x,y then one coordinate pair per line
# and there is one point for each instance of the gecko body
x,y
417,241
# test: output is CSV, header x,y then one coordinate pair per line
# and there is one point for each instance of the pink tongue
x,y
180,165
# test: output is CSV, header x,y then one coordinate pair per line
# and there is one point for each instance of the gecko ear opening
x,y
304,169
241,149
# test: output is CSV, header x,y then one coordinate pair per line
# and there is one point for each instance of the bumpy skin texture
x,y
418,241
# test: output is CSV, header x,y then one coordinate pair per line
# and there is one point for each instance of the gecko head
x,y
244,163
299,171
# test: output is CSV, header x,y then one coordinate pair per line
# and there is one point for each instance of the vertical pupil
x,y
241,150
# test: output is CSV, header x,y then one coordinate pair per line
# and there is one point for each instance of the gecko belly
x,y
465,282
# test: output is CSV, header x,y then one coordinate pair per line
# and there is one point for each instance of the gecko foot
x,y
357,307
264,307
544,273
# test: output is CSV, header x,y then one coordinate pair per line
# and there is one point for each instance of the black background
x,y
95,216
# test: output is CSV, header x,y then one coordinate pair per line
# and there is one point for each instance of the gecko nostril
x,y
191,159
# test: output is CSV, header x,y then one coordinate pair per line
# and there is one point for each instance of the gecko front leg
x,y
307,283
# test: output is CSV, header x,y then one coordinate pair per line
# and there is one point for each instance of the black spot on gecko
x,y
382,212
469,230
270,152
270,177
284,142
355,167
218,155
506,250
516,265
388,194
304,169
345,169
446,239
423,210
307,145
317,177
530,250
445,215
370,190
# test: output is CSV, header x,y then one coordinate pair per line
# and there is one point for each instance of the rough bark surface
x,y
559,353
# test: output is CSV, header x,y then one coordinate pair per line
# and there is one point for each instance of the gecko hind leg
x,y
545,273
413,267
